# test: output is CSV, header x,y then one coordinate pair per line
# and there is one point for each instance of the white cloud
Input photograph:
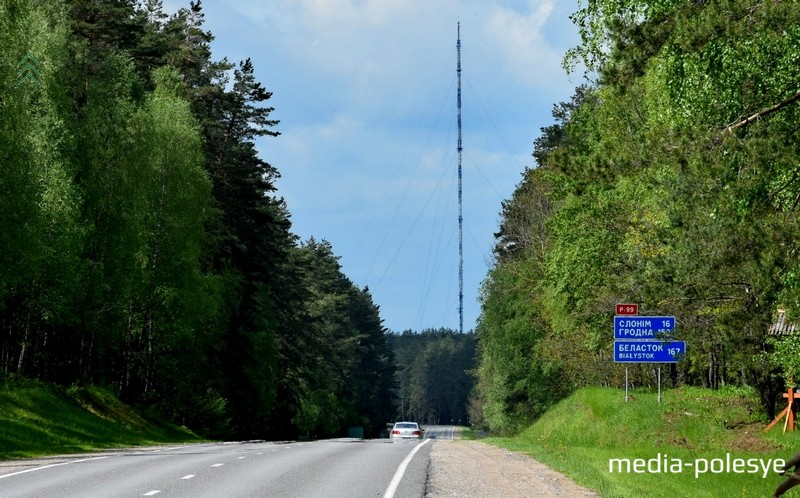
x,y
519,39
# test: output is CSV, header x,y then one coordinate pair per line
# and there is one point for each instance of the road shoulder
x,y
473,468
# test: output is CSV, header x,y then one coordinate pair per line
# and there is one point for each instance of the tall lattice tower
x,y
460,196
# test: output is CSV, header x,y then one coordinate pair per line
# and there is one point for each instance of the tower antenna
x,y
460,197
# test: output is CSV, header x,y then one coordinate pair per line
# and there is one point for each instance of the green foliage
x,y
653,188
338,367
142,245
435,371
514,388
785,356
41,234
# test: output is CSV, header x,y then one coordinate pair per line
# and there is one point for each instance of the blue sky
x,y
365,91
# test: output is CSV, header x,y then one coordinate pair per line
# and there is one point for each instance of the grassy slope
x,y
40,419
580,434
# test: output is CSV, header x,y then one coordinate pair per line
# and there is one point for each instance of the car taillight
x,y
395,432
415,433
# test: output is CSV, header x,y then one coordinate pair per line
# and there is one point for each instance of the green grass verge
x,y
583,433
466,433
43,419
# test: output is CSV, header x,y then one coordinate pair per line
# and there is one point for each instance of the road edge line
x,y
50,466
398,476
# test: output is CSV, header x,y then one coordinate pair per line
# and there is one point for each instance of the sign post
x,y
626,383
659,383
644,339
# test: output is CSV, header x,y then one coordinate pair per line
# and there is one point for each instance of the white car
x,y
406,430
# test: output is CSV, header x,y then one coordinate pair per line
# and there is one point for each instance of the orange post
x,y
788,412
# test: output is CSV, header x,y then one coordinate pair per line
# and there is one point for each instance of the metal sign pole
x,y
659,384
626,383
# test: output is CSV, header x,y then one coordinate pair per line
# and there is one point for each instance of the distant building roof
x,y
782,326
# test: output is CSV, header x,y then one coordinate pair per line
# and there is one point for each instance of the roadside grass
x,y
466,433
44,419
584,433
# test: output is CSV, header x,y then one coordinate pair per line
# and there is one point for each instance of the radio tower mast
x,y
460,198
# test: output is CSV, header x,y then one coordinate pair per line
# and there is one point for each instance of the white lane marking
x,y
174,448
274,450
398,476
51,465
241,458
151,493
156,450
218,465
260,453
187,476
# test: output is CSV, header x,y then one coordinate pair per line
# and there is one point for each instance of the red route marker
x,y
627,309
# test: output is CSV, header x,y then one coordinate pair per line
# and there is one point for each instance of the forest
x,y
670,179
435,375
143,246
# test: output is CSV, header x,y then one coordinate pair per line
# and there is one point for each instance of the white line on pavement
x,y
151,493
188,476
49,466
398,476
218,465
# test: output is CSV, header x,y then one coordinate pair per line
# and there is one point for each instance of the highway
x,y
440,432
329,468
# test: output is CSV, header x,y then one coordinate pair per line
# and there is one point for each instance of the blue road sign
x,y
643,327
648,351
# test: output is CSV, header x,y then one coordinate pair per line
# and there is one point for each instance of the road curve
x,y
330,468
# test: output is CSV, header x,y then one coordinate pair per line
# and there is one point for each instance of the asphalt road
x,y
330,468
440,431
